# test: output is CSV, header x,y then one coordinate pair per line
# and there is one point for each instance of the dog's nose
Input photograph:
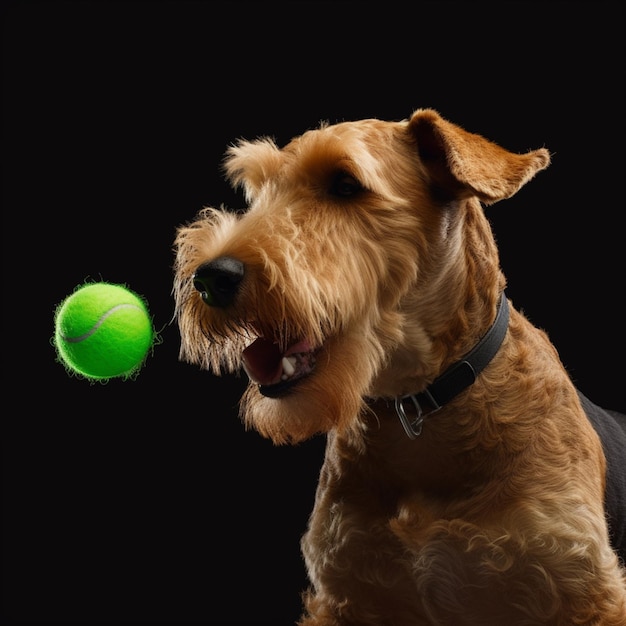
x,y
218,280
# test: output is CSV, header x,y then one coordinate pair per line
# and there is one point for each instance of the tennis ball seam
x,y
98,323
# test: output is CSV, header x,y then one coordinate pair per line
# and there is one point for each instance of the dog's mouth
x,y
274,371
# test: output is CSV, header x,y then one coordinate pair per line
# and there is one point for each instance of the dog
x,y
463,482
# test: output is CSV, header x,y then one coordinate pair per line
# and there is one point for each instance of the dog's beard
x,y
322,387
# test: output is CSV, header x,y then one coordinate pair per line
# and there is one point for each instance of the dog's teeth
x,y
289,366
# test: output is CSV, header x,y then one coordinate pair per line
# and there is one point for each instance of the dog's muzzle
x,y
218,280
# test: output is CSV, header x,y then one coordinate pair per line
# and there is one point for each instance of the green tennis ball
x,y
103,331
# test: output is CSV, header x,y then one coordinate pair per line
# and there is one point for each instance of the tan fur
x,y
494,514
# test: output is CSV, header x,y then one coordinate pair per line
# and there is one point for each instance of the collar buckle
x,y
413,428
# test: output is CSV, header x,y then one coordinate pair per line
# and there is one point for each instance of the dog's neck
x,y
456,378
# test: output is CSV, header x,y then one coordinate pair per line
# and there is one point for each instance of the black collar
x,y
458,376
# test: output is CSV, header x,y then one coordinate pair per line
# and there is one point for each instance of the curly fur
x,y
369,240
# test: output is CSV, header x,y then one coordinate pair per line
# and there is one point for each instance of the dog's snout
x,y
218,280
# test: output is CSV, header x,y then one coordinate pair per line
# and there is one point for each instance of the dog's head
x,y
354,272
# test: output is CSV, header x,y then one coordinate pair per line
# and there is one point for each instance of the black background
x,y
147,502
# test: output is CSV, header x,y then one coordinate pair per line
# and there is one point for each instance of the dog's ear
x,y
248,164
462,163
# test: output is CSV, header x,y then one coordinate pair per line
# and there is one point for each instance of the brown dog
x,y
362,293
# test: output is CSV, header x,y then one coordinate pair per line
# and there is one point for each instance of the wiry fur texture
x,y
368,240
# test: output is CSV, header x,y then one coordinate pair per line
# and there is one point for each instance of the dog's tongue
x,y
262,360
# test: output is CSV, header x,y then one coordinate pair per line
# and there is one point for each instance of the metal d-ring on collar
x,y
457,377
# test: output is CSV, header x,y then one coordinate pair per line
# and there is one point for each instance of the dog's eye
x,y
345,186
